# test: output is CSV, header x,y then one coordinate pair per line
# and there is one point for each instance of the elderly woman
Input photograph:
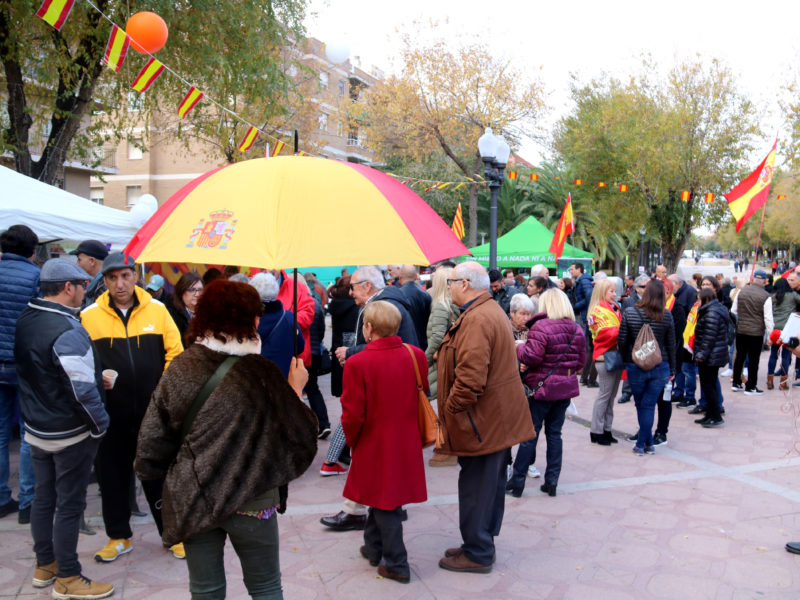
x,y
227,432
521,309
554,353
379,418
603,317
184,301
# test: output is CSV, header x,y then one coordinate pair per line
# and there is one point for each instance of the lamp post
x,y
642,232
494,153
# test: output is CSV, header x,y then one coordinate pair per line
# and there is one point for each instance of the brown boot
x,y
442,460
79,587
44,575
460,563
770,382
784,382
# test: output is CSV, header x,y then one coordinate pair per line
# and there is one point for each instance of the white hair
x,y
239,278
600,275
266,285
520,302
371,274
474,273
540,270
301,280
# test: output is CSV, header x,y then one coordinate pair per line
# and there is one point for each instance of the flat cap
x,y
760,274
91,248
62,269
118,260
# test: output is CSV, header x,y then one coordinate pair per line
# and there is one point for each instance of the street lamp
x,y
494,153
642,232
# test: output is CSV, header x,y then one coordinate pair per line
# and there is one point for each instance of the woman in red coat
x,y
379,418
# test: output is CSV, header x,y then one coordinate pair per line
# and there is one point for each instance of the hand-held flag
x,y
751,193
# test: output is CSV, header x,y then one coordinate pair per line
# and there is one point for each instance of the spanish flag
x,y
601,184
751,193
55,12
512,174
623,187
116,49
458,223
277,149
710,197
781,196
534,177
685,196
147,75
189,101
248,140
578,182
566,225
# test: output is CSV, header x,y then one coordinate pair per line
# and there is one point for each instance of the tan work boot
x,y
784,382
79,587
770,382
44,575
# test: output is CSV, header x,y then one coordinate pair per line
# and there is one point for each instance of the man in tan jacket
x,y
484,411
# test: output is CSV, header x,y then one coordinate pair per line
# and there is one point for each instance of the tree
x,y
689,130
56,80
444,100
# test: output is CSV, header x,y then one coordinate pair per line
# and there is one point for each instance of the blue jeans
x,y
689,372
647,388
552,414
786,360
8,408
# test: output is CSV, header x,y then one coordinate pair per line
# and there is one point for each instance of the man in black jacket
x,y
500,291
419,302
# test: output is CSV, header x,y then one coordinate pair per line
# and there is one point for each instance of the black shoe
x,y
592,384
659,439
677,399
736,387
9,507
24,516
686,402
754,392
323,434
633,438
512,491
697,410
793,547
404,515
722,411
548,488
343,521
597,438
702,421
373,562
607,435
713,423
623,399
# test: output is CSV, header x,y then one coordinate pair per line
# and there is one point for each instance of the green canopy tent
x,y
526,245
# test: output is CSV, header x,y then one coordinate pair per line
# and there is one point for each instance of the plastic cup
x,y
110,375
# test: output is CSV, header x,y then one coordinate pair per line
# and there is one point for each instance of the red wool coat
x,y
305,311
379,418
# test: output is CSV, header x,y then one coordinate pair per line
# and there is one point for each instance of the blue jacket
x,y
277,341
583,293
19,282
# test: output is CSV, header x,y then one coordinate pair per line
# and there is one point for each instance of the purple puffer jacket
x,y
549,345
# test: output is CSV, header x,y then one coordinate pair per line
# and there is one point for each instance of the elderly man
x,y
542,271
483,408
419,302
753,308
794,281
366,285
91,254
135,336
661,272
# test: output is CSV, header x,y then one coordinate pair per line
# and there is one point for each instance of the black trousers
x,y
114,466
589,373
708,384
481,502
383,538
747,346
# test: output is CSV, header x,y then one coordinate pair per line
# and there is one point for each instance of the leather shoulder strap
x,y
205,392
416,366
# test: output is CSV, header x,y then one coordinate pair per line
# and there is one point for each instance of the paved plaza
x,y
706,517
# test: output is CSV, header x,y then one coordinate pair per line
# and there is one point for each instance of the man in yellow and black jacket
x,y
135,336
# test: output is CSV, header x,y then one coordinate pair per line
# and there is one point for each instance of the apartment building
x,y
168,164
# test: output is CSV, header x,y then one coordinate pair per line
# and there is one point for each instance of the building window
x,y
342,87
323,80
323,122
339,129
132,193
96,195
135,149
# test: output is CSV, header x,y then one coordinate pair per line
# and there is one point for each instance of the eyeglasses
x,y
83,283
195,290
450,281
353,285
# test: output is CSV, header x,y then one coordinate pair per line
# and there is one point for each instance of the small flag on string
x,y
685,196
277,149
534,177
512,174
781,196
601,184
556,177
428,189
55,12
300,153
147,75
578,182
116,49
623,187
709,197
189,101
458,223
443,186
460,185
248,140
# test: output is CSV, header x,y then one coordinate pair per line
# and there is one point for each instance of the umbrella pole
x,y
294,312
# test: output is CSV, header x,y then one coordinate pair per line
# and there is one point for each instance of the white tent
x,y
55,214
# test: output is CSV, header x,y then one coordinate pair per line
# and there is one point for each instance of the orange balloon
x,y
148,32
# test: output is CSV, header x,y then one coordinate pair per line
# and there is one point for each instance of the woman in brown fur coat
x,y
251,437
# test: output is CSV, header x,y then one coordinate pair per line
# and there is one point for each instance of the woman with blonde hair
x,y
443,314
603,317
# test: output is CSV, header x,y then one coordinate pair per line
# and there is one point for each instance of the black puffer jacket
x,y
633,319
711,335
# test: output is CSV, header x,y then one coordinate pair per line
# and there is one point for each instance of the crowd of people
x,y
210,395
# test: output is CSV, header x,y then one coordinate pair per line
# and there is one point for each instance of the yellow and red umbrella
x,y
295,211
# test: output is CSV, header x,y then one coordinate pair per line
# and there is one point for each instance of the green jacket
x,y
441,319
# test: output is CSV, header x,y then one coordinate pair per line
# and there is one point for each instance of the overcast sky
x,y
758,40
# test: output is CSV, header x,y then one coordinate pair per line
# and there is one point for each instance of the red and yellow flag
x,y
147,75
248,140
578,182
751,193
512,174
601,184
566,225
534,177
623,188
458,223
116,49
55,12
710,197
277,149
685,196
781,196
189,101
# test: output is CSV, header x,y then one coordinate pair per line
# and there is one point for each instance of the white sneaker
x,y
533,472
726,373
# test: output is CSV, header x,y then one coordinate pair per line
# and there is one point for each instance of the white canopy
x,y
55,214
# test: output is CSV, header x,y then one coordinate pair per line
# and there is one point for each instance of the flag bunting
x,y
248,140
147,75
710,197
512,174
55,12
116,49
277,149
578,182
685,196
189,101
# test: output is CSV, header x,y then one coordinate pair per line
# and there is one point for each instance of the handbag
x,y
613,361
430,431
646,353
325,361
